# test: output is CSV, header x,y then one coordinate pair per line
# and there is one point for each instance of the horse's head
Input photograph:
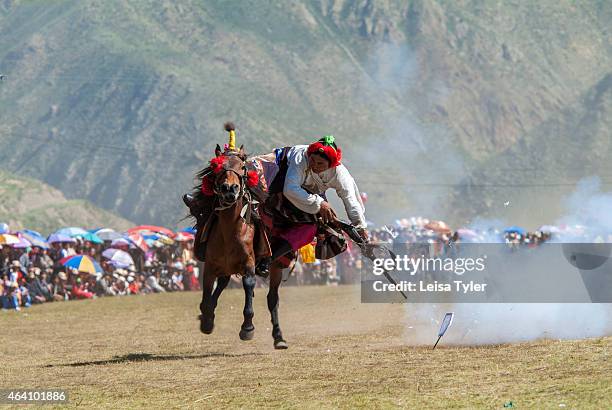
x,y
229,174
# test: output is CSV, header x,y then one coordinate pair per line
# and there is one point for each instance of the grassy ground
x,y
147,352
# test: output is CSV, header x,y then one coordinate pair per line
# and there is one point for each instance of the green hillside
x,y
27,203
119,102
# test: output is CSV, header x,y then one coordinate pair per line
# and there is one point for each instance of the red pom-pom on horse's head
x,y
216,164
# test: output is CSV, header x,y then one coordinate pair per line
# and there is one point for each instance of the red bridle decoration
x,y
252,179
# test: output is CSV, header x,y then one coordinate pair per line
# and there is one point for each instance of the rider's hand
x,y
327,213
363,232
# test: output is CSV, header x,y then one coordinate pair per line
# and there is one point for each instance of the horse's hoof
x,y
207,326
280,344
247,334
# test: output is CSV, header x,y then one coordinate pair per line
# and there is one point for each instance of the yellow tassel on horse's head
x,y
229,127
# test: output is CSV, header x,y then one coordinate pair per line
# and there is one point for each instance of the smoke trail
x,y
477,324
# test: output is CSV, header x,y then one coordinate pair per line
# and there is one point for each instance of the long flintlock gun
x,y
369,250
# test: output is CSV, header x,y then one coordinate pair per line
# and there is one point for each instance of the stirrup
x,y
188,200
263,267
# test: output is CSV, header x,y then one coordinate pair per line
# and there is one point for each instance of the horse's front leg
x,y
276,275
207,306
247,330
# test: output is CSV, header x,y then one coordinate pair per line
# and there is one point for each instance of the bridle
x,y
223,204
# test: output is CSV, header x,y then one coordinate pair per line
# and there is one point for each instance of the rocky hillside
x,y
120,102
27,203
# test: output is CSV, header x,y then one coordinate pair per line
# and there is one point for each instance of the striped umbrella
x,y
8,239
152,228
184,237
139,241
82,263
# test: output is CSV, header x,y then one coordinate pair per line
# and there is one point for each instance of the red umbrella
x,y
184,237
139,241
152,228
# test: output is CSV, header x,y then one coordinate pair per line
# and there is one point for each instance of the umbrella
x,y
33,234
53,238
82,263
34,240
184,237
189,229
107,234
120,242
158,238
438,227
91,237
72,231
117,256
23,243
153,228
515,229
139,241
8,239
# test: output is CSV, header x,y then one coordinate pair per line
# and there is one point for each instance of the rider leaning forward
x,y
296,206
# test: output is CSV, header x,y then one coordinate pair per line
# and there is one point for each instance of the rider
x,y
297,202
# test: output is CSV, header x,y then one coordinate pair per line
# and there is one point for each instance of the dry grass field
x,y
147,351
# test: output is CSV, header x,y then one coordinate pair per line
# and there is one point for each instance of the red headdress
x,y
326,146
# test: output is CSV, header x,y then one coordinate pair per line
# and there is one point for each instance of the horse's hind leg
x,y
207,306
247,330
222,282
276,275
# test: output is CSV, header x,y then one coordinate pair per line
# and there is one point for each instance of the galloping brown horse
x,y
229,247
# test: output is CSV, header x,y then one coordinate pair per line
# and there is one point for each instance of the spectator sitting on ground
x,y
119,285
80,287
104,285
38,292
153,283
60,291
133,285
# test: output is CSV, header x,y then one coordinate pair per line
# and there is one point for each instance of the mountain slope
x,y
27,203
120,102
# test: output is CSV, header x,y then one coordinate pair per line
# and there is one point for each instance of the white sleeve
x,y
293,191
347,190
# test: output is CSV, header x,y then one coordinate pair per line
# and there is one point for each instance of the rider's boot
x,y
263,266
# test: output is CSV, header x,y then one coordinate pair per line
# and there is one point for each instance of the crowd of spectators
x,y
36,274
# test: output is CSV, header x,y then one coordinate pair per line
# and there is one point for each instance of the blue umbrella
x,y
72,231
190,230
515,229
91,237
35,240
53,238
34,234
